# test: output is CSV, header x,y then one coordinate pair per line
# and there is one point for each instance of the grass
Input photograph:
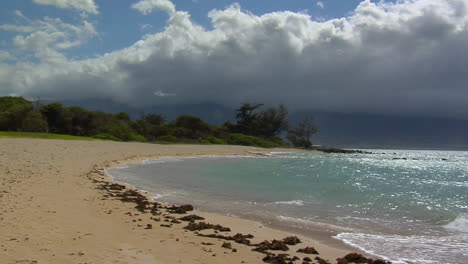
x,y
42,136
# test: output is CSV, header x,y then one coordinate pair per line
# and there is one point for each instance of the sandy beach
x,y
55,208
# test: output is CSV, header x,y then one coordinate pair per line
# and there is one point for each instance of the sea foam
x,y
459,224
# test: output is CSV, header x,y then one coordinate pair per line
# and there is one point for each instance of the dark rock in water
x,y
291,240
308,250
295,258
344,151
381,261
203,225
226,245
307,259
149,226
358,258
191,218
180,209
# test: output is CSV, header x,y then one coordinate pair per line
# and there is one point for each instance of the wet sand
x,y
57,205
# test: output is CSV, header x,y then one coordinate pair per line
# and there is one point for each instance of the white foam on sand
x,y
459,224
293,202
410,249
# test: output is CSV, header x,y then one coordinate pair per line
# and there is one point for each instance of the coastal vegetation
x,y
253,125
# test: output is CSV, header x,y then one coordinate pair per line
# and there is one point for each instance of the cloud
x,y
47,38
88,6
6,56
404,58
320,4
147,6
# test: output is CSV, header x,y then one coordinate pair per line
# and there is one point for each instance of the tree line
x,y
253,126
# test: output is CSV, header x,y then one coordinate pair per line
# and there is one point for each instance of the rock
x,y
226,245
307,259
277,259
238,238
180,209
291,240
149,226
321,260
273,245
308,250
191,218
203,225
358,258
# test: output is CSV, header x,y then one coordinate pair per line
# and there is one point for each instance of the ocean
x,y
406,206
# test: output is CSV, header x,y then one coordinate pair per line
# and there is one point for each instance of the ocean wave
x,y
306,223
459,224
410,249
293,202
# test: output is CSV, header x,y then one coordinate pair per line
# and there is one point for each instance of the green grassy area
x,y
42,136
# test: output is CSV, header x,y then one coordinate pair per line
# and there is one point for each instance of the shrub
x,y
105,136
240,139
167,138
215,140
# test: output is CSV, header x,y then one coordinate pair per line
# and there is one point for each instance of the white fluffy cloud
x,y
147,6
320,4
4,56
88,6
47,38
406,58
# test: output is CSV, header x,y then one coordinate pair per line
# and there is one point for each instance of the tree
x,y
246,118
191,127
272,121
300,135
13,111
154,119
54,115
34,122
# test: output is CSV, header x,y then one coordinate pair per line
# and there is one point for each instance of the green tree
x,y
54,115
272,122
300,135
191,127
246,117
13,111
34,122
154,119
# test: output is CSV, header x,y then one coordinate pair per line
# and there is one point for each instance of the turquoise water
x,y
406,206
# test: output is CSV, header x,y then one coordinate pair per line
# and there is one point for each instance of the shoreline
x,y
319,236
53,213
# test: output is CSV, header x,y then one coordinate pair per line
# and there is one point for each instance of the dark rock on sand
x,y
226,245
277,259
238,238
203,225
291,240
308,250
358,258
273,245
321,260
191,218
180,209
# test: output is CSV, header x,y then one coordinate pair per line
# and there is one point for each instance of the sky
x,y
405,57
